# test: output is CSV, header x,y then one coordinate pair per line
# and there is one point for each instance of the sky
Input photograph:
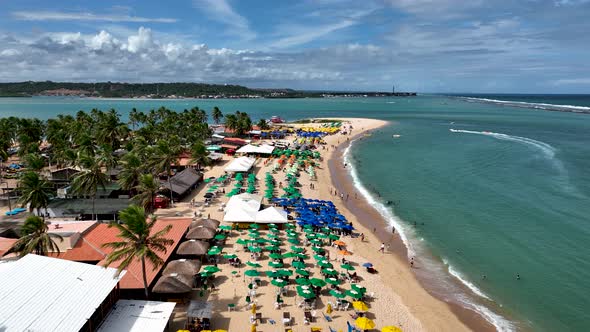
x,y
500,46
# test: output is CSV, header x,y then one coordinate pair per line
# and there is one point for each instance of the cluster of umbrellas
x,y
316,213
291,191
239,183
296,153
270,186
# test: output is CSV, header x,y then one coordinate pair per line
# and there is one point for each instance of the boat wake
x,y
545,148
412,244
540,106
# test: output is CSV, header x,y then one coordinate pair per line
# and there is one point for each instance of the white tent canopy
x,y
272,215
262,149
238,214
242,208
138,316
242,164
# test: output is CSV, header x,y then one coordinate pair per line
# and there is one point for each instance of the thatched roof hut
x,y
174,284
183,266
193,248
200,233
209,223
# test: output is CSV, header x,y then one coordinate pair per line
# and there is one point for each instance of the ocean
x,y
506,193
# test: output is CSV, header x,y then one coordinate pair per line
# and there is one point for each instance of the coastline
x,y
433,312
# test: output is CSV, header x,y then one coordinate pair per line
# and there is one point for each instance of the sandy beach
x,y
397,298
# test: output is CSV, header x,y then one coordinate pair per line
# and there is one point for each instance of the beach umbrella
x,y
173,283
272,236
253,264
337,294
305,293
364,323
253,328
325,264
354,294
330,272
251,273
317,242
214,251
319,257
211,269
242,241
321,236
329,309
182,266
317,282
272,248
340,243
317,249
272,274
298,265
367,265
391,329
285,273
255,249
289,255
230,256
254,309
272,225
302,256
345,253
333,237
225,227
275,264
193,247
302,272
254,226
293,241
275,256
279,282
347,267
358,288
360,306
303,281
220,237
333,281
297,249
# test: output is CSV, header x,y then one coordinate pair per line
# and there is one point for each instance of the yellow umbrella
x,y
391,329
253,329
364,323
360,306
329,309
254,308
220,331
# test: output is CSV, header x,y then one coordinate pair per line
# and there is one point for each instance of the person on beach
x,y
362,237
347,197
382,248
341,196
393,229
412,262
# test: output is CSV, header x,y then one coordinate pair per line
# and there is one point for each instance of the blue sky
x,y
528,46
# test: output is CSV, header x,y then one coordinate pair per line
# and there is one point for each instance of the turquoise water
x,y
513,200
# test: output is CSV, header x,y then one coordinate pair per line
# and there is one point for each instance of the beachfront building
x,y
48,294
85,208
138,316
183,182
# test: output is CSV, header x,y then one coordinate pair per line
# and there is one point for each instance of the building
x,y
84,208
48,294
183,182
138,316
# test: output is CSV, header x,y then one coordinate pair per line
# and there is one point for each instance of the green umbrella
x,y
275,264
337,294
317,249
254,235
321,236
302,256
358,288
254,226
208,180
302,281
275,256
317,282
285,273
211,269
293,241
272,225
325,264
317,242
251,273
241,241
275,242
289,226
220,237
214,251
297,249
298,265
305,293
255,249
354,294
333,237
272,274
347,267
205,274
261,241
319,257
310,236
325,229
225,227
279,282
230,256
330,272
272,248
272,236
253,264
333,281
302,272
308,230
289,255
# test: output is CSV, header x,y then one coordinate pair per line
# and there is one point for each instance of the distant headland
x,y
169,91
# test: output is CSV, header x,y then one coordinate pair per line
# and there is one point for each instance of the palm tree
x,y
147,189
263,124
35,191
200,155
216,114
35,162
35,239
87,181
131,171
166,153
137,242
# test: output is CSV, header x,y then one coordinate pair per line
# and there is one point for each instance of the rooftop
x,y
56,295
138,316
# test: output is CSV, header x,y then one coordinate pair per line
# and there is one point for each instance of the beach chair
x,y
286,318
327,318
316,329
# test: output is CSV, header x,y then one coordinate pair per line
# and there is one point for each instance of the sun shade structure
x,y
193,248
241,164
242,208
262,149
209,223
272,215
183,266
55,295
199,309
183,181
138,316
200,233
174,284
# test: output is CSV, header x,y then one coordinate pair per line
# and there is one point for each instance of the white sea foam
x,y
546,149
542,106
405,233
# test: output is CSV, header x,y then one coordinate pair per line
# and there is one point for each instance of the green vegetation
x,y
35,239
137,242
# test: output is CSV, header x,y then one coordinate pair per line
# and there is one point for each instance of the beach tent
x,y
239,214
242,164
244,201
262,149
272,215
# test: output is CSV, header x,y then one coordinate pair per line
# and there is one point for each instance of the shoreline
x,y
362,211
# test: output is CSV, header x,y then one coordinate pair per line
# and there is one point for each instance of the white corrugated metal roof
x,y
40,293
138,316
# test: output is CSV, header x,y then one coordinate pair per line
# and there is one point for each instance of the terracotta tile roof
x,y
89,248
5,244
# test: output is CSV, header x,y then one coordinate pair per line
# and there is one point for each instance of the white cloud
x,y
63,16
139,42
304,35
222,11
